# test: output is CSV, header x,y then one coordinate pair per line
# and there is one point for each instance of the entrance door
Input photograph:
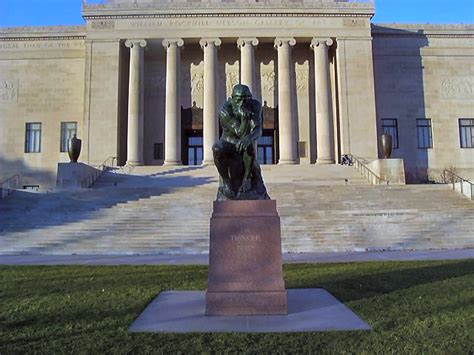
x,y
193,147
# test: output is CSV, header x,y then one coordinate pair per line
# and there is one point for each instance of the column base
x,y
172,162
134,163
287,162
325,161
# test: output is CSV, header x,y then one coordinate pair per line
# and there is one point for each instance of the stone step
x,y
163,210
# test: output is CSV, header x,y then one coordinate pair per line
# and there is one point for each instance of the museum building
x,y
143,81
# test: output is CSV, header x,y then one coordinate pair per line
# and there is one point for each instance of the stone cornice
x,y
211,8
42,33
229,14
209,5
427,30
40,38
43,29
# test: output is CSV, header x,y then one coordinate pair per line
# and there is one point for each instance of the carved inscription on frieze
x,y
353,22
8,91
33,45
457,88
259,22
103,25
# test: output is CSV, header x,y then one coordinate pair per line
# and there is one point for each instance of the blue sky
x,y
68,12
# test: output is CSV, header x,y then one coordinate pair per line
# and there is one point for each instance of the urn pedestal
x,y
245,260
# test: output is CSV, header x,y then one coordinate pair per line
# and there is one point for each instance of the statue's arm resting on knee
x,y
255,129
230,126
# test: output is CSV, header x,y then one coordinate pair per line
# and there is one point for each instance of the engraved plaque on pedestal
x,y
245,261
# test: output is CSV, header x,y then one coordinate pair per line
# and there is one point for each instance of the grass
x,y
413,307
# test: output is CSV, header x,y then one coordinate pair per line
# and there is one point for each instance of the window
x,y
195,150
68,129
424,133
33,138
265,150
466,132
390,126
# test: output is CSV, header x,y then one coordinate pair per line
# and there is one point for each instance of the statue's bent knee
x,y
250,150
217,149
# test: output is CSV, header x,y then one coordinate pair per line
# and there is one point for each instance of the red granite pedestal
x,y
245,261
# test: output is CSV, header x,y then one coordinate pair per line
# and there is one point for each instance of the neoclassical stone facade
x,y
143,81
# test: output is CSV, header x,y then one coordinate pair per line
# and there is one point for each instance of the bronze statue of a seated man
x,y
235,155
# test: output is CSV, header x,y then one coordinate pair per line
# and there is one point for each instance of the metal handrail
x,y
9,190
366,172
91,179
458,179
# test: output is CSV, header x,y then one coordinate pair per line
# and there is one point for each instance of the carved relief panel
x,y
269,83
232,77
457,88
197,83
8,91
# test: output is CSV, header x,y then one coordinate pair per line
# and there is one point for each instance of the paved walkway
x,y
202,259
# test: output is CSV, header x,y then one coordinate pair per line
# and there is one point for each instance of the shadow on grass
x,y
348,286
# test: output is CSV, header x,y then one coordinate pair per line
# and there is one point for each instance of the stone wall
x,y
41,80
426,71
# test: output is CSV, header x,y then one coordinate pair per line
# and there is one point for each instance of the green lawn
x,y
413,307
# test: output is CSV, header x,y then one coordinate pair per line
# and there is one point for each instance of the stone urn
x,y
386,145
74,148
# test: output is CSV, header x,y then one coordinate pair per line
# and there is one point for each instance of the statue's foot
x,y
227,191
246,186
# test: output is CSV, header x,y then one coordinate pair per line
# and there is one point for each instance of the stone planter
x,y
386,145
74,148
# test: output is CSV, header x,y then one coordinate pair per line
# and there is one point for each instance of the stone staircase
x,y
151,210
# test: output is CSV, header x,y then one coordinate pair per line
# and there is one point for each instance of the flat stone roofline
x,y
146,7
42,31
421,29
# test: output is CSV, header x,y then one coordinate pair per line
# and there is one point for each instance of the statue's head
x,y
240,94
242,91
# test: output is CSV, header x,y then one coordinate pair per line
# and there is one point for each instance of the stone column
x,y
247,62
285,102
135,102
173,110
324,121
210,111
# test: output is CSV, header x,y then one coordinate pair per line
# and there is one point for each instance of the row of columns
x,y
287,130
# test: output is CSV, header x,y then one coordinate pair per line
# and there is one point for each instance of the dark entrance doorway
x,y
191,135
267,149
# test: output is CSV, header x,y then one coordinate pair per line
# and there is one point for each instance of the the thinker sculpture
x,y
235,155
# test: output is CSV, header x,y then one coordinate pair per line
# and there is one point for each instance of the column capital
x,y
171,42
316,42
204,42
251,41
130,43
279,42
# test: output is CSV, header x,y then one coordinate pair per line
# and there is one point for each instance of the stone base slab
x,y
309,310
246,303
